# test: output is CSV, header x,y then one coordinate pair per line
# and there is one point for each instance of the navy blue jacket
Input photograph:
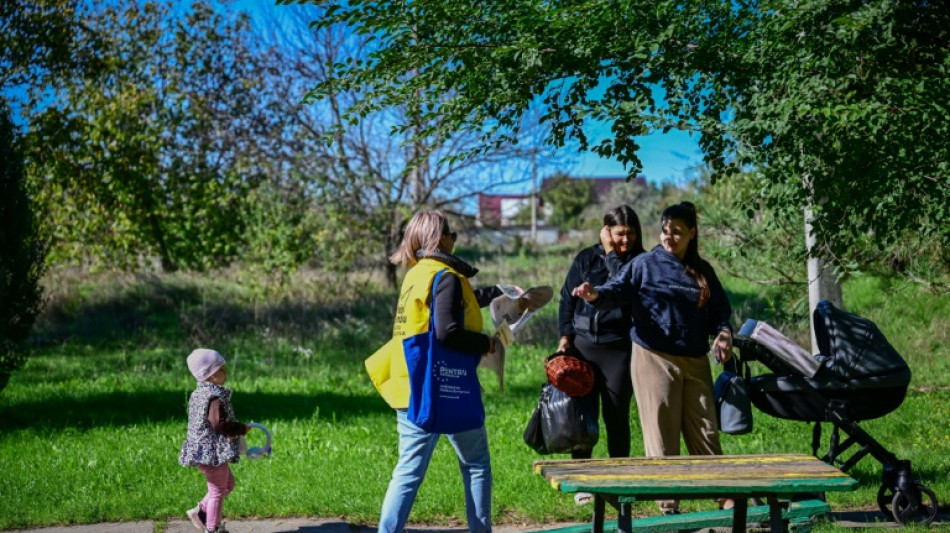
x,y
665,314
576,316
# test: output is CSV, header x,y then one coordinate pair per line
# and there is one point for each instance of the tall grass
x,y
91,428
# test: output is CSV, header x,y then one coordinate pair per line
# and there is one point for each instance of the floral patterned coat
x,y
204,445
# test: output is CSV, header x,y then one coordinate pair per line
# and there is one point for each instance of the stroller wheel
x,y
923,512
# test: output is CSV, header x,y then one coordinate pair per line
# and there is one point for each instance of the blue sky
x,y
666,157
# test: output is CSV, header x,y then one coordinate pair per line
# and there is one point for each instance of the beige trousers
x,y
674,397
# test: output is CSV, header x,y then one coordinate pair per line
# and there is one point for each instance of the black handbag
x,y
733,405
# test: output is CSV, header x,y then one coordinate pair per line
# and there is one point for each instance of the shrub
x,y
22,257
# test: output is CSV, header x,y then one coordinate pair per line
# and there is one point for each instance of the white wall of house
x,y
510,207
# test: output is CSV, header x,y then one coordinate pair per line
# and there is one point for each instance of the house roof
x,y
490,205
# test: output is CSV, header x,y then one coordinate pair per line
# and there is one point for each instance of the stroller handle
x,y
749,348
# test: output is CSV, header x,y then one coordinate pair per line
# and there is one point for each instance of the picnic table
x,y
740,477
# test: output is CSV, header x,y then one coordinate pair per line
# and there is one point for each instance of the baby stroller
x,y
857,376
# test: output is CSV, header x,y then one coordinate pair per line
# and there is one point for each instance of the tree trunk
x,y
391,275
822,281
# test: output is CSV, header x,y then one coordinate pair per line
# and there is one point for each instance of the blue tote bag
x,y
444,393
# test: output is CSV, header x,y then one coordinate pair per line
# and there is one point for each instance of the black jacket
x,y
664,300
450,307
576,316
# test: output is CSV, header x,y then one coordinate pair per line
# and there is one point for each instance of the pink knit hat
x,y
203,363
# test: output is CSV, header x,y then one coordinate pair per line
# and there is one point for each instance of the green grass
x,y
91,428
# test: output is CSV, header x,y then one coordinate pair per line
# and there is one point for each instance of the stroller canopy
x,y
854,350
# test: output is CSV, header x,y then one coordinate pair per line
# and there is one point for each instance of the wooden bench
x,y
799,514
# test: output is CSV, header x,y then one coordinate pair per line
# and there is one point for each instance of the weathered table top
x,y
685,476
691,477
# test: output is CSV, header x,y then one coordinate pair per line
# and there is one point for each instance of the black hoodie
x,y
576,316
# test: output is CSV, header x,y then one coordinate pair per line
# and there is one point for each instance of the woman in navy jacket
x,y
602,336
678,303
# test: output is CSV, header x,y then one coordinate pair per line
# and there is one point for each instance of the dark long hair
x,y
695,266
624,215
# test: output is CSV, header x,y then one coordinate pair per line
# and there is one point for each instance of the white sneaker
x,y
583,498
195,516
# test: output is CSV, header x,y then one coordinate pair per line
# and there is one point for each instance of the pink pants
x,y
220,484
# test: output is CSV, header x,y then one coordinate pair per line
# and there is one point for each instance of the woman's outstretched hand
x,y
586,291
722,348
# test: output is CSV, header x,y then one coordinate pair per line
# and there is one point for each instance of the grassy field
x,y
91,428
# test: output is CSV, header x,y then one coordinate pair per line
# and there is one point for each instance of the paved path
x,y
287,525
856,520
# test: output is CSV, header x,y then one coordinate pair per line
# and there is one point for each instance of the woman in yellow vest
x,y
427,249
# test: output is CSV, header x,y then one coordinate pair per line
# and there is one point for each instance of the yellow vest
x,y
387,367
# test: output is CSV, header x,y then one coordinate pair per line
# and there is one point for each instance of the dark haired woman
x,y
678,304
603,337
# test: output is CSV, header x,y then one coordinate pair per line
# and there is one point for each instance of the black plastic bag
x,y
532,433
567,423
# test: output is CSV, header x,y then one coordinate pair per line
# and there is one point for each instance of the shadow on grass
x,y
865,519
124,409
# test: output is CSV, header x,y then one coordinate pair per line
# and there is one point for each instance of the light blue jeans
x,y
415,451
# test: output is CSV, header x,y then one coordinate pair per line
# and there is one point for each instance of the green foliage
x,y
850,104
756,244
22,259
842,105
766,244
40,39
568,199
152,154
279,234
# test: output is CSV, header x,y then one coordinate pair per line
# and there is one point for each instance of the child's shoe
x,y
221,529
197,517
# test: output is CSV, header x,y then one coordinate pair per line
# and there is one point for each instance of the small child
x,y
212,437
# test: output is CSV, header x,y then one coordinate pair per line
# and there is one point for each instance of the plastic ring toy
x,y
258,451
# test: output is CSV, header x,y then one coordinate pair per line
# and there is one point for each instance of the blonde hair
x,y
424,232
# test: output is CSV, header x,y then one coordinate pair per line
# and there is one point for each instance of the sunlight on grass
x,y
91,428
